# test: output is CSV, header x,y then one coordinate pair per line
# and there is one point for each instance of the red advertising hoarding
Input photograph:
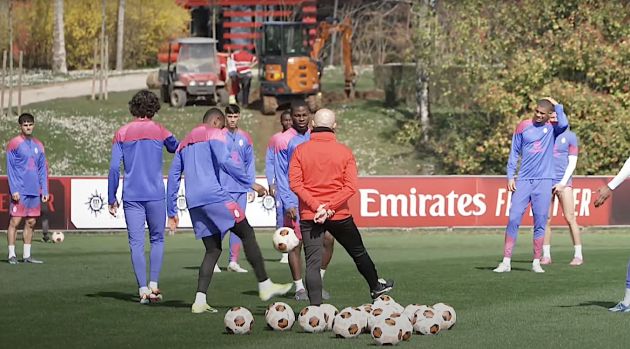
x,y
398,202
468,201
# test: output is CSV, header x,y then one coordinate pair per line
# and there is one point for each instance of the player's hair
x,y
26,117
232,109
285,112
214,111
144,104
298,103
544,103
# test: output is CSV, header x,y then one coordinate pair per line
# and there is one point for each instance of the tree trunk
x,y
59,42
120,35
424,48
422,100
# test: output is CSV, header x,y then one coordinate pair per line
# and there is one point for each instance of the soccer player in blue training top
x,y
200,158
533,142
270,173
139,145
241,148
27,171
603,194
565,156
215,118
285,146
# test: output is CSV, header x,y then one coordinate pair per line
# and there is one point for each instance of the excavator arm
x,y
324,31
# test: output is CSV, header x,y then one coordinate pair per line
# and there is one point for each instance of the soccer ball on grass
x,y
238,320
58,237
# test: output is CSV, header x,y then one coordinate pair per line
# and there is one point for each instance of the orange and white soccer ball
x,y
447,314
280,316
330,311
312,320
428,326
58,237
284,240
238,320
386,332
348,323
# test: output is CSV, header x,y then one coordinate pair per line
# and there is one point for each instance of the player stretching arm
x,y
533,142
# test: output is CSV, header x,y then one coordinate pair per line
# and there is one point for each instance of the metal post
x,y
19,102
106,70
4,72
10,111
334,36
101,92
94,72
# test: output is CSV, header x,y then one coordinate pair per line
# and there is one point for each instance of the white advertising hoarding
x,y
88,206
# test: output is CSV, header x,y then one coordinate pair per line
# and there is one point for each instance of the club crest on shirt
x,y
545,130
36,151
240,142
563,140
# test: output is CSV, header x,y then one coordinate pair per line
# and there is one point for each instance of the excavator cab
x,y
287,69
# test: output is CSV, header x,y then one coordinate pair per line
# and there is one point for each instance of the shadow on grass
x,y
130,297
492,268
601,304
288,295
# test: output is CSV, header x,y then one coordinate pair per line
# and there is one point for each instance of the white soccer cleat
x,y
235,267
274,290
537,268
200,308
503,268
217,269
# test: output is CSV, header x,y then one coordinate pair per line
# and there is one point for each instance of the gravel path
x,y
75,88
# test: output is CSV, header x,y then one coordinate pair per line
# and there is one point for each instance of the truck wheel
x,y
269,105
178,98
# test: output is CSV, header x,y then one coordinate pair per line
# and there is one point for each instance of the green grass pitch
x,y
85,296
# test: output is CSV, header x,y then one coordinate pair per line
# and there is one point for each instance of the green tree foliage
x,y
148,24
509,54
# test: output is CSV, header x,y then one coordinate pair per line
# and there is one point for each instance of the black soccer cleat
x,y
383,287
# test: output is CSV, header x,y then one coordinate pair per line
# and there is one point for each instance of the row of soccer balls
x,y
387,321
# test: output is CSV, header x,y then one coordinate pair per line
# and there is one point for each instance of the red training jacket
x,y
323,171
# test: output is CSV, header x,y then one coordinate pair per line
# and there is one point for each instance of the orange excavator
x,y
291,69
324,31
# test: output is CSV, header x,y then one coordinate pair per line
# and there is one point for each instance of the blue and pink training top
x,y
27,168
241,148
284,148
139,145
200,157
534,144
566,145
270,159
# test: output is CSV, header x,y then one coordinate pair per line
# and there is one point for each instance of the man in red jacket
x,y
323,174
